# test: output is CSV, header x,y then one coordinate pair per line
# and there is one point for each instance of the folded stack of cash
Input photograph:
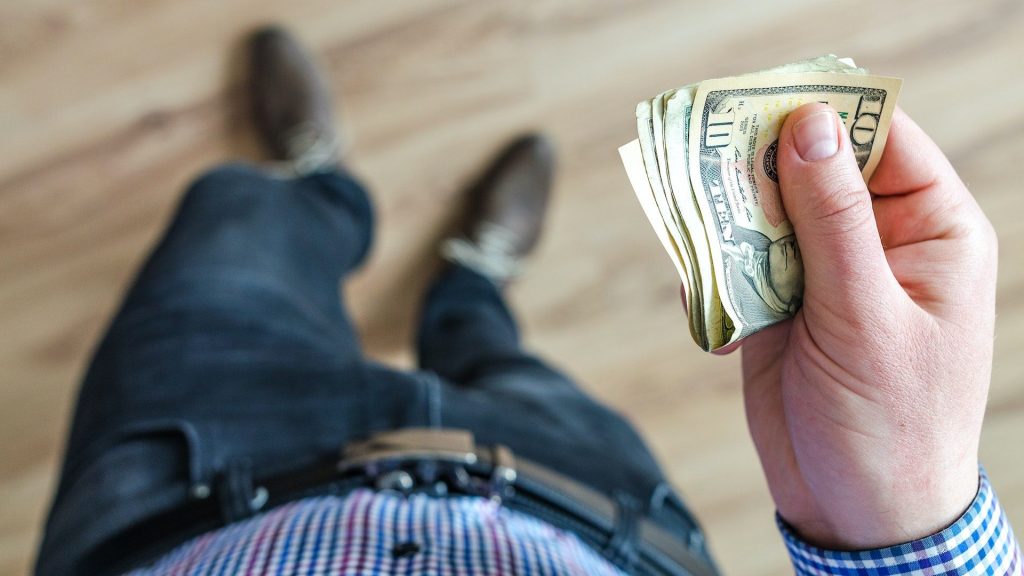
x,y
704,171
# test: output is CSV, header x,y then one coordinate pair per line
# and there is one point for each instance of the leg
x,y
232,350
241,234
508,396
251,264
230,339
466,328
468,336
504,395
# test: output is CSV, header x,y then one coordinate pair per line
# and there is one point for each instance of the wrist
x,y
903,510
980,538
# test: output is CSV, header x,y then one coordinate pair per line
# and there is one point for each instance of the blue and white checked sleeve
x,y
980,542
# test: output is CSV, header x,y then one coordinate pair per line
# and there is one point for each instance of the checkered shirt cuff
x,y
980,542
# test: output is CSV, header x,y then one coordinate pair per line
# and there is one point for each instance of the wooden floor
x,y
109,107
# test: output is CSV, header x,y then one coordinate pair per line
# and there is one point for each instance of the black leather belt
x,y
403,460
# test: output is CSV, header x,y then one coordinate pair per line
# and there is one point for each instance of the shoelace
x,y
492,255
310,150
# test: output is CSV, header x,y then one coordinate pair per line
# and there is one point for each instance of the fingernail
x,y
816,137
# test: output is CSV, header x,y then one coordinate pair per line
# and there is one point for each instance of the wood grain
x,y
109,107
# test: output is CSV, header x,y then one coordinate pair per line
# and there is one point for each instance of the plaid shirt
x,y
385,533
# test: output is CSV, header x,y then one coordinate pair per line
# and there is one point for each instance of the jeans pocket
x,y
147,469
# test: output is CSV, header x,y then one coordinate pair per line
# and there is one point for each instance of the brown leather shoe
x,y
507,206
291,102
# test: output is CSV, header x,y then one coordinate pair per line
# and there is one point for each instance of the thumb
x,y
830,207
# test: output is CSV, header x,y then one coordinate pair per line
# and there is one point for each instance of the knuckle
x,y
843,215
969,224
980,238
840,197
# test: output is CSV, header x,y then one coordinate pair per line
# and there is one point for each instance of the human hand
x,y
866,407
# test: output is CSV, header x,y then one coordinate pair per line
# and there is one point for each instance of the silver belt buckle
x,y
386,457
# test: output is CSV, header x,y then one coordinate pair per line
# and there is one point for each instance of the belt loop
x,y
504,473
238,497
432,391
622,546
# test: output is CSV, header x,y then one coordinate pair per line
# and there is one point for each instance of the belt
x,y
402,460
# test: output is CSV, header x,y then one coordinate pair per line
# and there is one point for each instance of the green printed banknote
x,y
704,171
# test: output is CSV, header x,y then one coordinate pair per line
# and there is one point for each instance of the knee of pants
x,y
331,204
224,176
223,191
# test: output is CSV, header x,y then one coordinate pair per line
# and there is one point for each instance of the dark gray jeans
x,y
233,346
